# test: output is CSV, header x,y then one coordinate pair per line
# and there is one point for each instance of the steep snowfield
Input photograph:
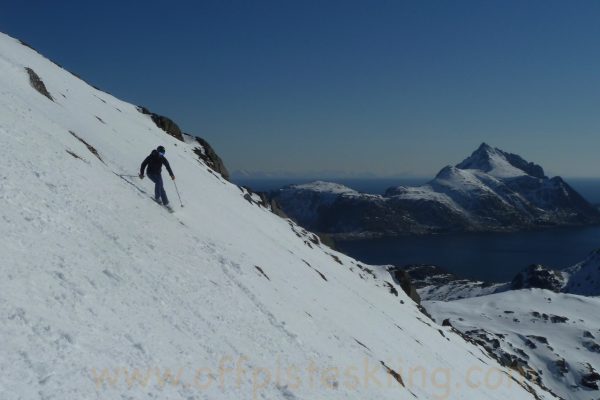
x,y
553,336
100,283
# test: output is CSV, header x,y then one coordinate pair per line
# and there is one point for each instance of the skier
x,y
155,161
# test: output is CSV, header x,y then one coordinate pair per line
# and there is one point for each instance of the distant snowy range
x,y
107,295
491,190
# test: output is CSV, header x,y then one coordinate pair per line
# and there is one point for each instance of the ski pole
x,y
177,190
129,176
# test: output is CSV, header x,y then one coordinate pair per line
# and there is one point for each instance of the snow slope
x,y
433,283
553,336
584,278
104,292
499,164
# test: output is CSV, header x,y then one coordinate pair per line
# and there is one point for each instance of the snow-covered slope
x,y
552,337
104,292
500,164
491,190
310,203
584,277
433,283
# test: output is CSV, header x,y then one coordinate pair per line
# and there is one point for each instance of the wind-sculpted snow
x,y
105,295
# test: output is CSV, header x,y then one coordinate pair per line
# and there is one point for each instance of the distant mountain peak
x,y
500,164
491,190
484,147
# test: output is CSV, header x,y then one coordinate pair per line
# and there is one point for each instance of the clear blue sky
x,y
390,87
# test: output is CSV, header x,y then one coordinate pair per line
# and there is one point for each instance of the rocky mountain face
x,y
582,278
203,149
540,277
491,190
544,323
552,338
434,283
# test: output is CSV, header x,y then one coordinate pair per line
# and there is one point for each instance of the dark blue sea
x,y
489,257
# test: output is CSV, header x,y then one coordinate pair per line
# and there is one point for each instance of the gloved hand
x,y
141,176
173,177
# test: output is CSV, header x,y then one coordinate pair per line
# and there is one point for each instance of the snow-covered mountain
x,y
582,278
107,295
553,338
544,322
491,190
433,283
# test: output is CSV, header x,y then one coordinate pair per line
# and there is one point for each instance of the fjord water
x,y
492,257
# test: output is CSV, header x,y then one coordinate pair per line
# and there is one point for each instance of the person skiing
x,y
155,161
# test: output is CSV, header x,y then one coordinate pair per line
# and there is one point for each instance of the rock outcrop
x,y
204,151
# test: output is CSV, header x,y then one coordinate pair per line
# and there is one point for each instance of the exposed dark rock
x,y
592,346
402,278
164,123
538,276
61,67
272,204
425,275
540,339
362,344
562,366
336,258
557,319
529,343
591,379
260,270
588,334
393,373
435,284
37,83
89,147
74,155
392,289
207,154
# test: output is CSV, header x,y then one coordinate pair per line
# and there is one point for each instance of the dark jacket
x,y
155,162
